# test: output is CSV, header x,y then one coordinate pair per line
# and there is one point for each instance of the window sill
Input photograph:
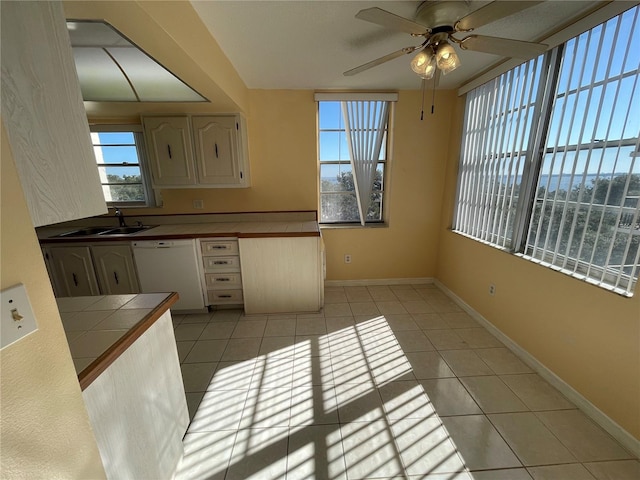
x,y
344,226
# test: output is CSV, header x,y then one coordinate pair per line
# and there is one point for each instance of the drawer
x,y
217,297
219,247
221,264
217,281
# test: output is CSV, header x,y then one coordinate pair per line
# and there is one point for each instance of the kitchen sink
x,y
124,230
85,231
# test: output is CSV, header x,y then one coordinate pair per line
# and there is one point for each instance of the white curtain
x,y
365,123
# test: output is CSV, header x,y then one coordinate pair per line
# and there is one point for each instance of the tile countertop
x,y
100,328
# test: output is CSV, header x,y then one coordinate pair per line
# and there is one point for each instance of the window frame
x,y
384,162
556,256
150,200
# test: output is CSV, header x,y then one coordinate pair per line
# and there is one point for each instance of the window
x,y
119,152
549,166
352,148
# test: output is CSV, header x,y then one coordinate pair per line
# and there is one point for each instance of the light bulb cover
x,y
447,58
423,61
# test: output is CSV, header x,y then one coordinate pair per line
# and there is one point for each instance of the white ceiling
x,y
309,44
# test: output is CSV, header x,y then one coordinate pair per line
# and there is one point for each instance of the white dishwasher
x,y
170,266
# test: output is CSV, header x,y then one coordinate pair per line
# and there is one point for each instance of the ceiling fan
x,y
446,19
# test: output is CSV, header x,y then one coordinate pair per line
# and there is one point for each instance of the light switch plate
x,y
17,319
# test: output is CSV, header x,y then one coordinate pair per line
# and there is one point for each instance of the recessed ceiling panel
x,y
113,69
100,78
151,81
95,34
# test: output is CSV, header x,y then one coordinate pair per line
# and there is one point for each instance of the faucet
x,y
120,217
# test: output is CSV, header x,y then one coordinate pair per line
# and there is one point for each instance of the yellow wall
x,y
408,247
586,335
284,176
45,428
282,152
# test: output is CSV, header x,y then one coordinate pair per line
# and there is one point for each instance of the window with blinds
x,y
564,190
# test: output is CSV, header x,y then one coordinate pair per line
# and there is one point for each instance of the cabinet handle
x,y
216,145
75,279
115,275
169,150
218,247
220,262
223,279
224,296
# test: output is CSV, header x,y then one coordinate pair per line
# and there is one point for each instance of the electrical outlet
x,y
17,317
492,289
199,204
347,258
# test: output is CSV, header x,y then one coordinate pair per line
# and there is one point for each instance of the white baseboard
x,y
382,281
593,412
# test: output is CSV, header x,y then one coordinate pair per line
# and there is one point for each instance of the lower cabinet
x,y
221,271
74,275
85,270
115,269
282,274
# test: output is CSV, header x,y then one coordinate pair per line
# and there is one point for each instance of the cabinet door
x,y
216,142
169,144
74,273
44,116
116,269
281,275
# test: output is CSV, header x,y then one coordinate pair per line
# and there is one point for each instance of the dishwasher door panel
x,y
170,266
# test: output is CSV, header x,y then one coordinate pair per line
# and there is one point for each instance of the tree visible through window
x,y
563,189
118,156
338,200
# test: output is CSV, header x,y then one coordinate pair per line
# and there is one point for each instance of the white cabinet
x,y
169,145
218,158
221,270
44,116
73,271
115,269
138,408
77,271
198,151
281,275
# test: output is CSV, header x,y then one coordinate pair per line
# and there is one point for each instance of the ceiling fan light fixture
x,y
447,58
424,63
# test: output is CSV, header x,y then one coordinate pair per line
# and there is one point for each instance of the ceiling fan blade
x,y
390,20
379,61
505,47
490,13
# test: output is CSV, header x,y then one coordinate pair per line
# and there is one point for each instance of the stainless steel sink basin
x,y
83,232
124,230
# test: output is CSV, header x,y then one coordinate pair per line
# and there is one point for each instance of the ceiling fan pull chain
x,y
424,84
433,97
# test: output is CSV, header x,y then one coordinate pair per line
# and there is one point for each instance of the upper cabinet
x,y
170,151
198,151
44,116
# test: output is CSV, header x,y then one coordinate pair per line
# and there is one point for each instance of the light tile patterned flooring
x,y
386,382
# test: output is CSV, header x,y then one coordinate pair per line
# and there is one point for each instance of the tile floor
x,y
386,382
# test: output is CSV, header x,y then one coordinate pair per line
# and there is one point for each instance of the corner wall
x,y
43,421
586,335
408,246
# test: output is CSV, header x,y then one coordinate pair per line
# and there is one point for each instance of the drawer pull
x,y
223,279
218,247
221,262
224,296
